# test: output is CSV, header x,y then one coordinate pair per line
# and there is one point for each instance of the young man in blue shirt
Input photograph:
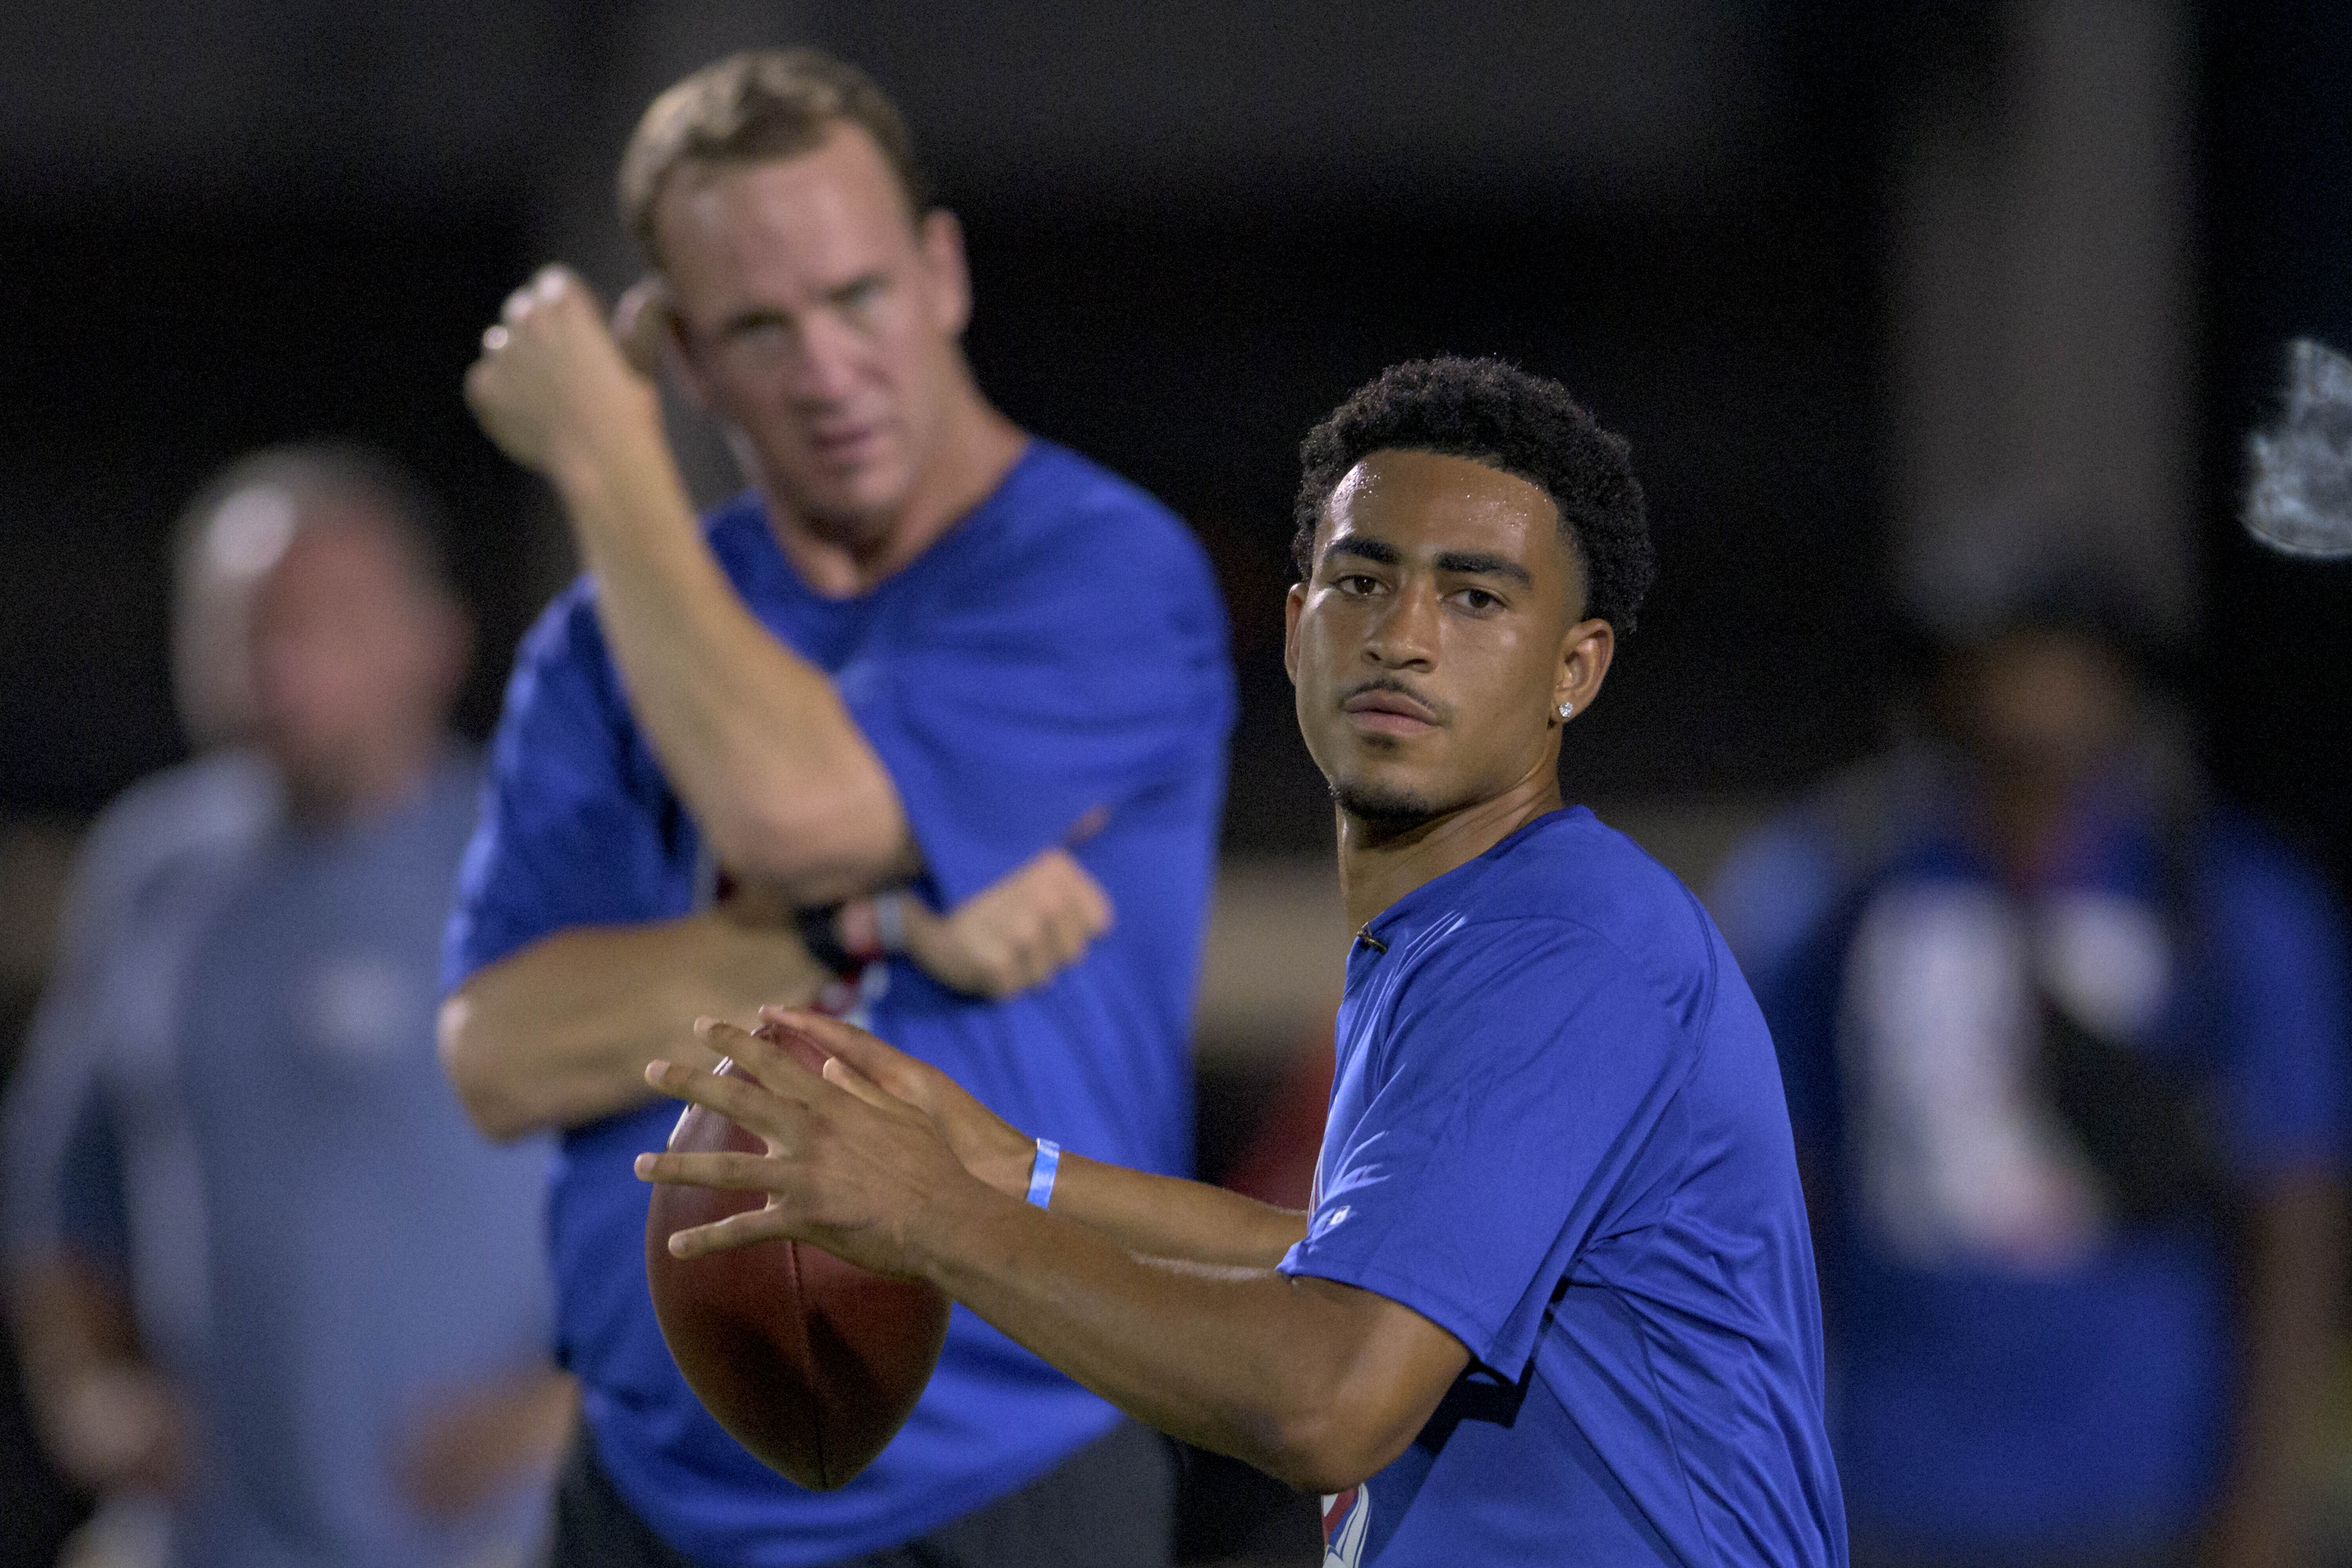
x,y
923,649
1555,1300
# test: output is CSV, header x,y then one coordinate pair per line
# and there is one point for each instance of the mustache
x,y
1444,710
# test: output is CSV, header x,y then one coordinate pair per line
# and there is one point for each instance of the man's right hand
x,y
1017,932
553,387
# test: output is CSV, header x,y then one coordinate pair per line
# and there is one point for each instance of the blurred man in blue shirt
x,y
268,1273
2065,1041
923,652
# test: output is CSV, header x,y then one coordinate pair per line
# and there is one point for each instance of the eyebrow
x,y
1482,563
1454,563
1370,550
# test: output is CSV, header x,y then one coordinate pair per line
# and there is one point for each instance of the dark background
x,y
2276,248
1723,305
1721,311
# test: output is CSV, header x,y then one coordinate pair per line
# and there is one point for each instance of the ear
x,y
1292,605
653,338
1584,655
646,323
941,240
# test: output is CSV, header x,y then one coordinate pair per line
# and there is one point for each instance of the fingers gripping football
x,y
851,1175
988,1147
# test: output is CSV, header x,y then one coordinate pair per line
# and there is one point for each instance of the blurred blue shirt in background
x,y
233,1099
2026,1360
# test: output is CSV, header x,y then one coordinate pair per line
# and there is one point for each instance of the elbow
x,y
819,846
768,841
1325,1448
471,1059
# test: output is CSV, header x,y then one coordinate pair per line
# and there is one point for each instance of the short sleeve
x,y
1086,670
2280,945
577,827
1527,1069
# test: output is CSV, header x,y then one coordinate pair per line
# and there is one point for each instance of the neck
x,y
1380,863
977,447
2028,816
366,783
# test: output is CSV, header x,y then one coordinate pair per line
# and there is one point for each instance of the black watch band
x,y
823,943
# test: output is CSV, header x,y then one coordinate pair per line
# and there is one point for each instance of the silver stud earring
x,y
1566,709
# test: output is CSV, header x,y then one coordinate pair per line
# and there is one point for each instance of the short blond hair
x,y
755,106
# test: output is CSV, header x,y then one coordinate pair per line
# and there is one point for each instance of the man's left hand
x,y
848,1167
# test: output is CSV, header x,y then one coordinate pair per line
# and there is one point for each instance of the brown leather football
x,y
810,1363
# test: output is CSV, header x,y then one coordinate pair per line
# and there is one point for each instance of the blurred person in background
x,y
924,657
2063,1038
151,840
265,1276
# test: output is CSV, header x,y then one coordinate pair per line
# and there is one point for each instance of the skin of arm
x,y
1317,1383
756,740
481,1443
1156,1217
560,1033
2291,1300
107,1419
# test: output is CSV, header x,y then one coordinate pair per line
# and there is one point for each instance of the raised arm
x,y
754,739
1319,1383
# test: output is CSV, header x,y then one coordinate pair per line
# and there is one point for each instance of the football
x,y
810,1363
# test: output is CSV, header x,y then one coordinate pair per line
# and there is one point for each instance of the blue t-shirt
x,y
1063,649
2018,1365
1557,1132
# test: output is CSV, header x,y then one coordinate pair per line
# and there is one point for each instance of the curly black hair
x,y
1494,413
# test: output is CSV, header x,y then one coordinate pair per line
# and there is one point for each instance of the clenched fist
x,y
1015,933
553,387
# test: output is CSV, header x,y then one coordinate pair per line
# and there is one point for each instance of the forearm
x,y
1162,1216
1243,1362
479,1443
69,1319
2290,1305
1158,1216
1312,1380
559,1034
103,1413
755,740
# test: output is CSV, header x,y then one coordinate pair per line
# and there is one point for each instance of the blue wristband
x,y
1040,1174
